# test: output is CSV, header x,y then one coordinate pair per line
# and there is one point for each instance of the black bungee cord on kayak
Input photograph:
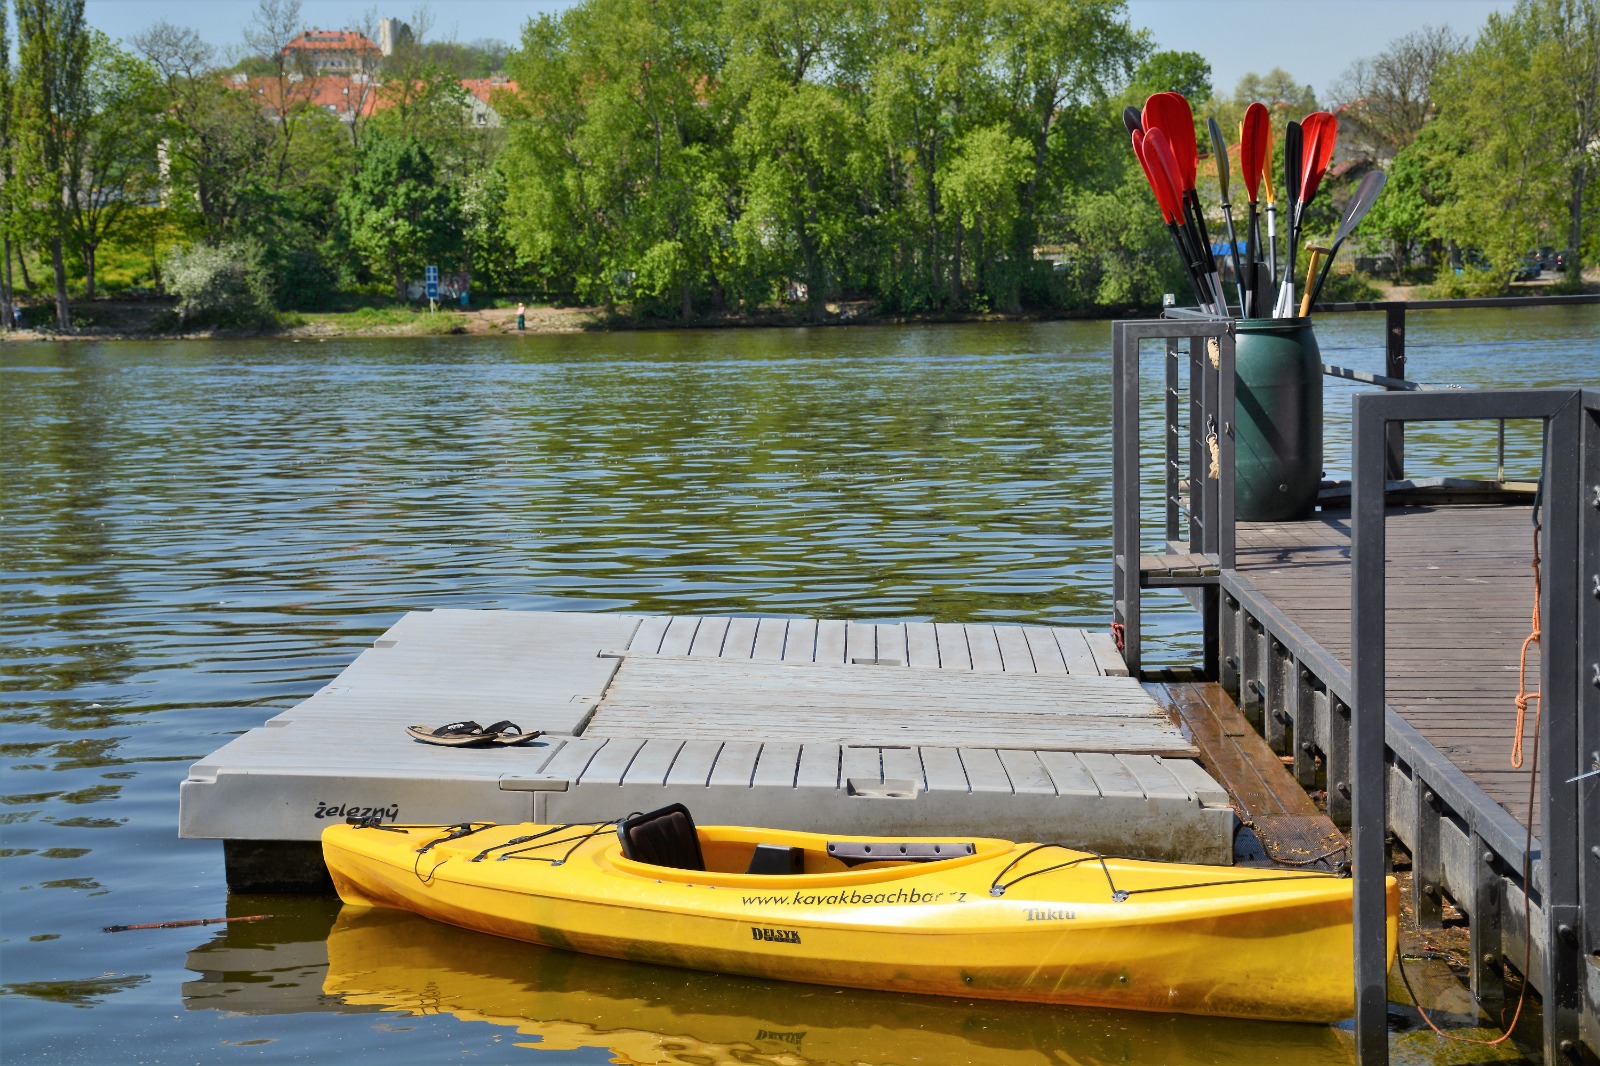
x,y
595,829
1121,895
997,889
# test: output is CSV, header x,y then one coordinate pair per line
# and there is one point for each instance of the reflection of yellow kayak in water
x,y
975,918
653,1014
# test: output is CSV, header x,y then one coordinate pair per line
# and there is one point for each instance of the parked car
x,y
1527,268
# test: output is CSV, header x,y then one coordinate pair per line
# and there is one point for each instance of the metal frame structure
x,y
1381,775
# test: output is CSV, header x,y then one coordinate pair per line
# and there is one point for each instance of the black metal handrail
x,y
1569,887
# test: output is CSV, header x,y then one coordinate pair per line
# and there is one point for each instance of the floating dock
x,y
1021,732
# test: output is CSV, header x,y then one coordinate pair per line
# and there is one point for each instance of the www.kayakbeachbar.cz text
x,y
902,895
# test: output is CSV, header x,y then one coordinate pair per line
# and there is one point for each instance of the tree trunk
x,y
22,264
88,265
1575,234
400,284
5,283
63,312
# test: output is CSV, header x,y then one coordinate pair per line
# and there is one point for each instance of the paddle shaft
x,y
1311,297
1250,252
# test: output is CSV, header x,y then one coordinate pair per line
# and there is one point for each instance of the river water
x,y
197,535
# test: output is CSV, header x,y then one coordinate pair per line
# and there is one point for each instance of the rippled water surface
x,y
197,535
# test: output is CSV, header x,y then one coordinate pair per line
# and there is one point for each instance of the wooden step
x,y
1178,570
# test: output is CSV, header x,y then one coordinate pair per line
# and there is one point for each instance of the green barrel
x,y
1278,421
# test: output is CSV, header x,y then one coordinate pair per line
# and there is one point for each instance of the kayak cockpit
x,y
666,845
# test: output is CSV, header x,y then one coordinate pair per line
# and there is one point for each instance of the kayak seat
x,y
665,837
856,852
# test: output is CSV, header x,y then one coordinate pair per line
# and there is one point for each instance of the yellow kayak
x,y
975,917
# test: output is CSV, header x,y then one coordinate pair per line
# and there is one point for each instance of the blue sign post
x,y
431,278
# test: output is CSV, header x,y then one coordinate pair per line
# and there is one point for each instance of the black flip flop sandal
x,y
455,735
509,734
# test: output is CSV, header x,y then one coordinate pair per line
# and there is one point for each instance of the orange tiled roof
x,y
483,87
338,93
331,41
345,94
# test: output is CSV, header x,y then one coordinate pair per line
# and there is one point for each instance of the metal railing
x,y
1198,505
1464,845
1566,876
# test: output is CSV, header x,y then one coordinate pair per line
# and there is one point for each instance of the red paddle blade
x,y
1255,145
1164,165
1158,184
1320,131
1170,113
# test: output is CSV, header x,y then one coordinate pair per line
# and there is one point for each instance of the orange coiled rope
x,y
1523,695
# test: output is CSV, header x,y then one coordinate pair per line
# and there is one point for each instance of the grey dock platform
x,y
1022,732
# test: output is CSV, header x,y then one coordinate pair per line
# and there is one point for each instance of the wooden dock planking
x,y
1460,598
1285,819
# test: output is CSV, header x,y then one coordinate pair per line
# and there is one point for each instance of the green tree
x,y
399,216
111,162
216,143
1420,180
1180,72
52,109
1526,99
1284,97
8,207
801,143
1122,256
623,142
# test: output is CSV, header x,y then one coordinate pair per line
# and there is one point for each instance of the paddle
x,y
1366,194
1319,131
1163,183
1132,119
1219,150
1291,189
1317,251
1272,206
1170,114
1255,142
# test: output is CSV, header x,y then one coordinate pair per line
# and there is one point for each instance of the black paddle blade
x,y
1293,146
1132,119
1219,151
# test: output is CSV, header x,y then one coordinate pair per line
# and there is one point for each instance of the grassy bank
x,y
146,317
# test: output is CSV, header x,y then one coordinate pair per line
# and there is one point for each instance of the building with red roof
x,y
335,51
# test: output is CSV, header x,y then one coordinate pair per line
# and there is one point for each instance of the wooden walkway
x,y
1289,826
1460,603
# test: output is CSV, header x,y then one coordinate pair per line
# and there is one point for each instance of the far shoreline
x,y
131,320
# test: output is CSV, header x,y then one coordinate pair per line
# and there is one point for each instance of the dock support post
x,y
1278,712
1308,707
1229,614
1484,928
1336,759
1367,662
1427,868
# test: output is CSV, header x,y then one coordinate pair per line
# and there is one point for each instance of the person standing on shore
x,y
522,318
